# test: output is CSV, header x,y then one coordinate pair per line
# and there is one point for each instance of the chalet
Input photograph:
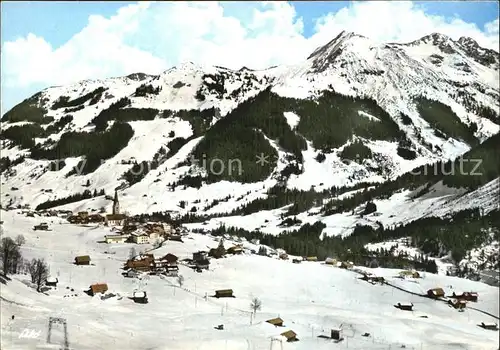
x,y
140,238
290,336
116,238
458,303
224,293
98,288
140,298
311,258
169,260
405,306
200,259
469,296
201,255
489,325
278,322
140,265
331,261
336,333
202,264
82,260
51,282
237,249
297,261
42,227
435,293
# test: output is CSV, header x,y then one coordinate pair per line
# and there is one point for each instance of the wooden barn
x,y
290,336
140,297
278,322
224,293
98,288
82,260
469,296
435,293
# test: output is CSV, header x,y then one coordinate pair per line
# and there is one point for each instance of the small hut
x,y
405,306
435,293
98,288
224,293
82,260
140,298
336,333
290,336
51,282
278,322
237,249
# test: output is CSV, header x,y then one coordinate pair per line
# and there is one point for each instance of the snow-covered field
x,y
310,297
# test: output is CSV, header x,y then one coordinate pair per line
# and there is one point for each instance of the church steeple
x,y
116,204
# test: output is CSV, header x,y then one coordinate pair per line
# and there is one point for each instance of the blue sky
x,y
154,39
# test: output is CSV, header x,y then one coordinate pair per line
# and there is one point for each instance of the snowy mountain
x,y
286,142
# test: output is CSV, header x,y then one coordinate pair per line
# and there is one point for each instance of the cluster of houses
x,y
138,233
148,263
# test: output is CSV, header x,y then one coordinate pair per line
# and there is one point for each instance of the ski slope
x,y
310,297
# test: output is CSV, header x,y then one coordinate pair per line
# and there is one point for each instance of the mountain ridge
x,y
370,114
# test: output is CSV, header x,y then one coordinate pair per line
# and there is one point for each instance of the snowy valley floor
x,y
310,297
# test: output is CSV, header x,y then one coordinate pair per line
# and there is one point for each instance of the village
x,y
125,230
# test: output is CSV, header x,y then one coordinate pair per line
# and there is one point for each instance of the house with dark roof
x,y
82,260
290,336
278,322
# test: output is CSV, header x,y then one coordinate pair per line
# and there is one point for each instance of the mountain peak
x,y
323,56
334,44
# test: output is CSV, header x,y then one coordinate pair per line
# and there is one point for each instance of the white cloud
x,y
150,37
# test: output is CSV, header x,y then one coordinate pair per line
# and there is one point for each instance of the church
x,y
115,218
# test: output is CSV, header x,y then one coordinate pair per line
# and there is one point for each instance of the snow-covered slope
x,y
311,298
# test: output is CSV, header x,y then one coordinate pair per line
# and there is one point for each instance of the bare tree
x,y
180,280
255,305
39,271
132,253
10,255
20,240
